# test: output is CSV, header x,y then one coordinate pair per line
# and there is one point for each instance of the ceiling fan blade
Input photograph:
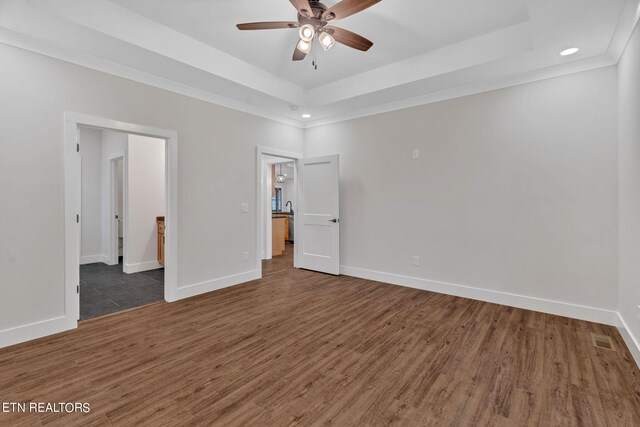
x,y
303,6
267,25
347,8
298,55
348,38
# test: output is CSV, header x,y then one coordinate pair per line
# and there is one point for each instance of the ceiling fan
x,y
312,24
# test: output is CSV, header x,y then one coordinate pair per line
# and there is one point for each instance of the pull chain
x,y
315,59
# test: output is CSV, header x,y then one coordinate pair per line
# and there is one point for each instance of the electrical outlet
x,y
245,256
416,154
416,260
244,208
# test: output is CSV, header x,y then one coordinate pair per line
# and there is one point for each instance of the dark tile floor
x,y
105,289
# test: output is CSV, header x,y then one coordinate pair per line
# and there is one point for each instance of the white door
x,y
318,214
78,224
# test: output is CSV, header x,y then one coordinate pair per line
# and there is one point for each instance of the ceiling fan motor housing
x,y
317,8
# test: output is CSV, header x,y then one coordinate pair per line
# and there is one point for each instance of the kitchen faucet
x,y
290,206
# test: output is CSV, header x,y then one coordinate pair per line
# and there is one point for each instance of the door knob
x,y
334,220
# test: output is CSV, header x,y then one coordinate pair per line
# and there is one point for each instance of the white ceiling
x,y
384,24
424,50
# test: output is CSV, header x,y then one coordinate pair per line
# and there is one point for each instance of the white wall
x,y
515,191
216,173
91,184
629,185
114,144
145,201
289,187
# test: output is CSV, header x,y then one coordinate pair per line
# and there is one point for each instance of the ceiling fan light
x,y
304,46
326,41
307,32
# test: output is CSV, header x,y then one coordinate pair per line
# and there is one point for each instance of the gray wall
x,y
216,173
515,190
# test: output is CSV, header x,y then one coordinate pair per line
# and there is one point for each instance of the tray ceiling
x,y
423,50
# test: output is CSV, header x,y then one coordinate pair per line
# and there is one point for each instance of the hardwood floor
x,y
302,348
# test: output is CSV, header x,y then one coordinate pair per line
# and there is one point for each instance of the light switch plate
x,y
416,154
245,256
416,260
244,208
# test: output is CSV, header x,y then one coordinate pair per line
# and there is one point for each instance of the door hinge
x,y
77,148
78,218
77,289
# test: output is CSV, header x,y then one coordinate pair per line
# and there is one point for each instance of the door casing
x,y
261,213
72,204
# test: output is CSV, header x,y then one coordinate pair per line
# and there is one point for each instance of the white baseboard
x,y
36,330
591,314
632,343
141,266
41,329
90,259
214,285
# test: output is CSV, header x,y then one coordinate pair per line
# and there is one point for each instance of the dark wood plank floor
x,y
301,348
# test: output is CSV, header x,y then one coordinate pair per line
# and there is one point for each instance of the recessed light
x,y
306,116
570,51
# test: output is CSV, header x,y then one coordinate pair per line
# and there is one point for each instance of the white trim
x,y
92,259
72,254
468,90
620,39
624,30
35,330
260,212
575,311
141,266
266,236
629,339
112,231
216,284
20,41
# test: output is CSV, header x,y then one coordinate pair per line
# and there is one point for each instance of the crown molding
x,y
473,89
626,26
30,44
620,38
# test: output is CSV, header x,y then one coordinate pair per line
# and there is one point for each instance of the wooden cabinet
x,y
160,226
286,228
277,236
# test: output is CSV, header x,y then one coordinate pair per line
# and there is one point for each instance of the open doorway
x,y
116,171
280,203
123,201
277,201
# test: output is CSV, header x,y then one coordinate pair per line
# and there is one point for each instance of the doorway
x,y
117,271
123,194
116,209
316,225
272,207
279,204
